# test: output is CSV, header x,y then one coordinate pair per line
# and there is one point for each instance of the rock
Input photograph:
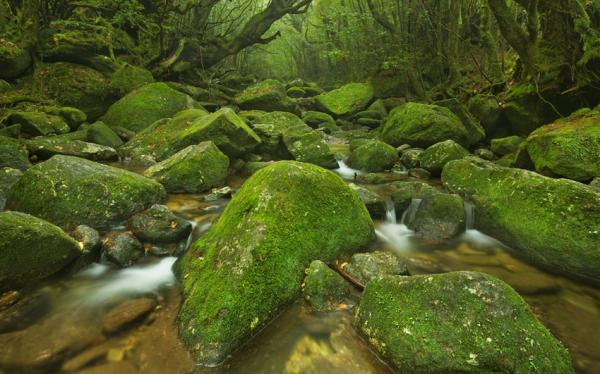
x,y
13,154
252,167
346,100
75,86
90,243
100,133
372,123
595,183
404,192
435,157
456,322
440,217
159,225
307,145
46,147
128,78
38,124
122,248
127,313
268,95
72,116
370,114
251,262
505,146
146,105
224,128
5,86
125,134
423,125
486,109
220,193
524,110
554,223
373,156
485,154
411,158
194,169
296,92
14,61
316,119
251,116
31,249
518,159
12,131
419,173
366,266
375,204
324,288
77,191
8,177
568,148
475,132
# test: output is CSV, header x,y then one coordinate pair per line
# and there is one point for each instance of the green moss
x,y
456,323
13,154
128,78
31,249
525,111
315,119
440,217
307,145
422,125
46,147
345,100
38,124
475,132
505,146
435,157
373,156
250,265
73,116
194,169
554,223
366,266
568,148
101,134
70,191
144,106
268,95
14,61
324,288
486,109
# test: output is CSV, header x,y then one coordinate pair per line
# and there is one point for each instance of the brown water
x,y
52,329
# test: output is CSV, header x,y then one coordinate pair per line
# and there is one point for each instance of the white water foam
x,y
345,171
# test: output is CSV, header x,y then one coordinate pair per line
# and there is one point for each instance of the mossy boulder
x,y
14,61
269,95
296,92
486,109
71,191
194,169
554,223
31,249
48,146
146,105
366,266
525,110
507,145
456,323
411,158
159,225
324,288
76,86
165,138
307,145
422,125
100,133
568,148
346,100
315,119
374,202
122,248
38,123
250,264
72,116
404,192
128,78
8,177
373,156
440,217
13,154
435,157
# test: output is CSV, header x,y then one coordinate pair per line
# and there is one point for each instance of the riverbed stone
x,y
31,249
373,156
324,288
568,148
90,242
374,202
251,263
159,225
507,145
440,217
346,100
269,95
13,154
70,191
8,177
315,119
47,146
422,125
411,158
146,105
456,322
100,133
435,157
307,145
38,123
72,116
554,223
366,266
130,311
122,248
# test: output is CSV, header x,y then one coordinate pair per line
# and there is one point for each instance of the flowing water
x,y
62,325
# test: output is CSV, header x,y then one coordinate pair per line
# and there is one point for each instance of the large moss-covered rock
x,y
31,249
440,217
38,124
346,100
72,116
128,78
366,266
194,169
14,61
317,119
224,128
146,105
46,147
507,145
324,288
435,157
13,154
70,191
307,145
159,225
567,148
461,322
475,132
422,125
373,156
75,86
486,109
100,133
554,223
250,265
269,95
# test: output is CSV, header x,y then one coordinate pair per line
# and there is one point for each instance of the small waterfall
x,y
397,235
345,171
473,236
469,215
409,214
390,211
